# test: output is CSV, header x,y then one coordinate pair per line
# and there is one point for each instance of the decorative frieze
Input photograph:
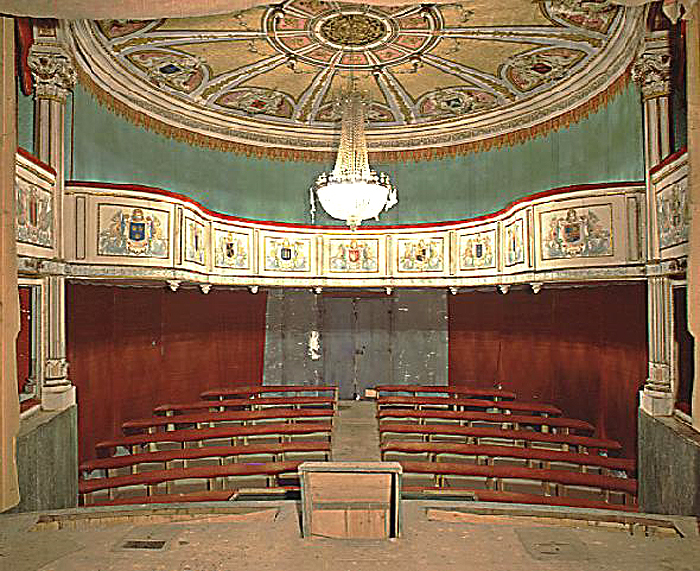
x,y
33,214
287,253
195,246
353,255
232,250
477,250
420,254
672,214
577,233
135,232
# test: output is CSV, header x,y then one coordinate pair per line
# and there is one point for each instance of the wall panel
x,y
582,349
131,349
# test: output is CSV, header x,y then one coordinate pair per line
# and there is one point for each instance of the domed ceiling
x,y
435,75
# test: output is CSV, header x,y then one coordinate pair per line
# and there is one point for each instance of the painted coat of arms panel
x,y
132,231
477,250
584,232
195,249
232,249
420,254
514,242
33,214
672,214
353,255
287,253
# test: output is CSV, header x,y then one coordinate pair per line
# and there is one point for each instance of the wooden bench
x,y
277,450
213,418
232,432
211,474
485,454
411,492
261,403
259,390
433,390
470,418
473,434
458,403
554,482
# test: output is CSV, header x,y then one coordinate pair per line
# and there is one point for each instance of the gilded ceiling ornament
x,y
263,77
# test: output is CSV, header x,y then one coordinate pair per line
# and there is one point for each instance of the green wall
x,y
25,121
605,147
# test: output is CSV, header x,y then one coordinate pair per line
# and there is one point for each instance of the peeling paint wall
x,y
356,342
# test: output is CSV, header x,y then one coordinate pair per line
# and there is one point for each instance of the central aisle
x,y
355,432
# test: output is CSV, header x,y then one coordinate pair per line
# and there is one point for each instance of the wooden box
x,y
351,500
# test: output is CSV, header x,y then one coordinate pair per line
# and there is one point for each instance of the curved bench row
x,y
223,454
474,418
437,390
213,478
497,478
463,404
245,417
261,403
474,434
488,454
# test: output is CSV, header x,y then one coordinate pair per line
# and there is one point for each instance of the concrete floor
x,y
266,536
355,432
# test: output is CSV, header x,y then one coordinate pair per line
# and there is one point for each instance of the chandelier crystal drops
x,y
352,191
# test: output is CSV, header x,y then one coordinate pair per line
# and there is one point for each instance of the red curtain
x,y
131,349
24,338
582,349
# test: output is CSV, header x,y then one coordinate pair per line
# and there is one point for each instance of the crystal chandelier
x,y
352,192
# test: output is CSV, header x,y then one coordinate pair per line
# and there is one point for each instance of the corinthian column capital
x,y
652,73
53,71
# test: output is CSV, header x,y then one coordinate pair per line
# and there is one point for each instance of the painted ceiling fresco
x,y
433,74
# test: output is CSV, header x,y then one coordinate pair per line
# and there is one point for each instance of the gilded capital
x,y
652,73
53,72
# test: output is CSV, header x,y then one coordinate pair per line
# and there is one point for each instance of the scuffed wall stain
x,y
314,345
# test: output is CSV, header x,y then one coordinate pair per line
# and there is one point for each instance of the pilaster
x,y
657,396
652,73
54,76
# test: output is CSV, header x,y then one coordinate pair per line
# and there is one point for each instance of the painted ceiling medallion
x,y
352,30
436,75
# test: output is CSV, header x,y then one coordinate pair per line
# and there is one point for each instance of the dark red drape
x,y
24,338
582,349
131,349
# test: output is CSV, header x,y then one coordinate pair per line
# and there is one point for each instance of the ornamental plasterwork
x,y
33,214
577,233
422,254
195,242
267,76
231,249
672,214
514,242
477,251
287,254
52,70
135,232
353,255
652,72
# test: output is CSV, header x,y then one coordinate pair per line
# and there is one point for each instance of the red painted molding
x,y
27,155
668,160
175,195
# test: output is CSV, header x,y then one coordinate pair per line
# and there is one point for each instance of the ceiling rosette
x,y
437,76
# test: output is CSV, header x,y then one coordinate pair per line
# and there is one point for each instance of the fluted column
x,y
652,73
54,77
657,398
